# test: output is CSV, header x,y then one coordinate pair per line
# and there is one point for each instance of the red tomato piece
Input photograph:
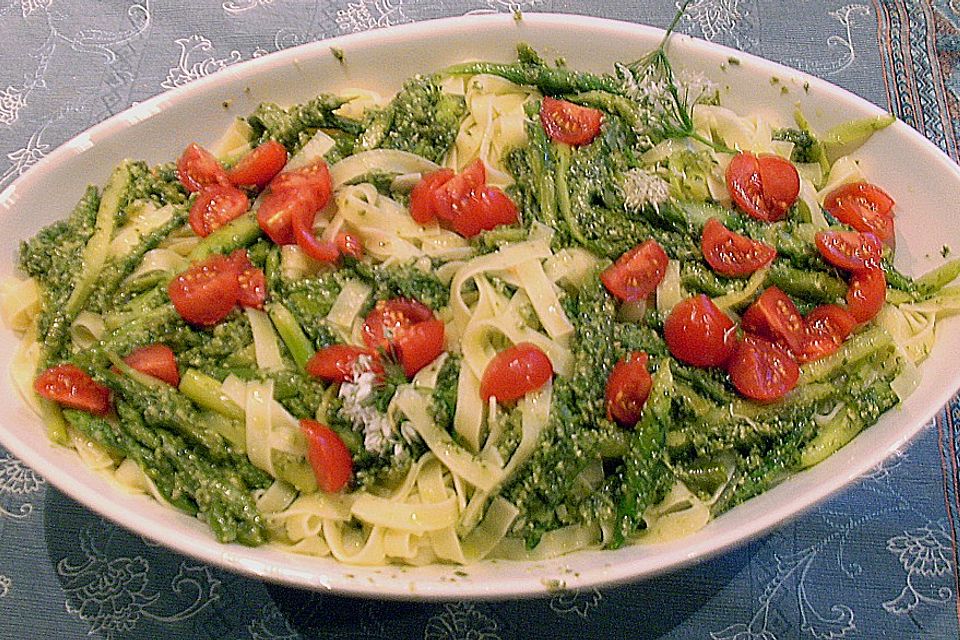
x,y
252,281
627,389
342,362
743,183
418,345
301,192
850,250
866,293
826,328
484,209
215,206
253,288
422,207
328,455
156,360
350,245
276,212
312,183
781,185
197,168
319,250
459,192
637,273
389,318
257,168
699,333
731,254
765,186
515,372
762,371
70,386
863,206
206,293
774,316
568,122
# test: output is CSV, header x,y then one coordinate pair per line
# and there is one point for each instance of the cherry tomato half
x,y
637,273
866,293
422,208
764,186
301,192
761,370
350,245
515,372
486,208
774,316
699,333
257,168
627,389
850,250
156,360
319,250
568,122
418,345
70,386
389,318
328,455
863,206
312,182
205,293
341,363
826,327
197,168
406,328
276,212
731,254
459,192
215,206
252,281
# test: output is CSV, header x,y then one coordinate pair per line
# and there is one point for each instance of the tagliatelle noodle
x,y
19,302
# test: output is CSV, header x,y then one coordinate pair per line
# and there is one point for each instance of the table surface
x,y
877,561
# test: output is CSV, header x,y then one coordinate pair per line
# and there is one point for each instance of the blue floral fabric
x,y
877,561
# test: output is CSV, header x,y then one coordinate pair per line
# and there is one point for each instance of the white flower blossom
x,y
376,428
642,188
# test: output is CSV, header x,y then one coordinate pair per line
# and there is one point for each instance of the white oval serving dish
x,y
925,183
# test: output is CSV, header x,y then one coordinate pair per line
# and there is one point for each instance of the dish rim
x,y
247,561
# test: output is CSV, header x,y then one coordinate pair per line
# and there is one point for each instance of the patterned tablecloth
x,y
877,561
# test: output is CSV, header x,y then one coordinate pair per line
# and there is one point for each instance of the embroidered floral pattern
x,y
239,6
14,98
112,595
109,596
5,585
576,602
16,478
840,46
286,38
23,159
104,41
370,14
715,17
461,621
16,481
926,554
513,5
193,64
27,7
11,101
